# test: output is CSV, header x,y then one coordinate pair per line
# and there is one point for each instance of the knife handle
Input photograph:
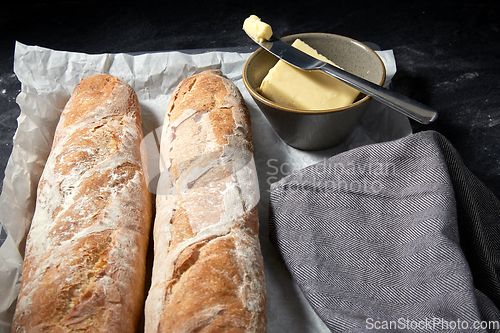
x,y
409,107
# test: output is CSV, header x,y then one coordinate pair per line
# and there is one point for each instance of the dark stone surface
x,y
447,52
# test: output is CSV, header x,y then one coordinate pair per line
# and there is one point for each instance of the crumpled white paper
x,y
48,78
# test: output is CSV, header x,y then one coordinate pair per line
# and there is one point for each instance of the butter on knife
x,y
256,29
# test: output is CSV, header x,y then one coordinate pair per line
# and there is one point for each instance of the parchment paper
x,y
48,78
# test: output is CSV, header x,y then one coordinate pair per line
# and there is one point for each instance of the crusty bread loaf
x,y
84,266
208,270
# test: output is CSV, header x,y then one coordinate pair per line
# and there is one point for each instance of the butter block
x,y
257,29
306,90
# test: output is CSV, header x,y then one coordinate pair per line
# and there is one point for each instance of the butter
x,y
306,90
258,30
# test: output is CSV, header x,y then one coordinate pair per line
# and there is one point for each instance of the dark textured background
x,y
447,52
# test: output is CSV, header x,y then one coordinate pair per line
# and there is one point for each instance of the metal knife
x,y
409,107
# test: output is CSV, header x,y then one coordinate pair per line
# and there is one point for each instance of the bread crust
x,y
84,267
208,271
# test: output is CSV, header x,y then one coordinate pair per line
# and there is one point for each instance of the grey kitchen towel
x,y
394,236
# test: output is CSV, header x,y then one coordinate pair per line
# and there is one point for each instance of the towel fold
x,y
394,236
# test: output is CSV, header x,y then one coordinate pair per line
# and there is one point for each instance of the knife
x,y
407,106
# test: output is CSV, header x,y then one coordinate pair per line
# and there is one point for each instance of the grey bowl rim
x,y
272,104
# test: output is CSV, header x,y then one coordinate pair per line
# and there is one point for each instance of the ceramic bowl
x,y
319,129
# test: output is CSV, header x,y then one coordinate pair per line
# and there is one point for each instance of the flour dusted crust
x,y
84,267
208,270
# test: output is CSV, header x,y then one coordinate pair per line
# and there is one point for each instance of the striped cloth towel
x,y
394,236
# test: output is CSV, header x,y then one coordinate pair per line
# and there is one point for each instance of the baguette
x,y
208,269
84,267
